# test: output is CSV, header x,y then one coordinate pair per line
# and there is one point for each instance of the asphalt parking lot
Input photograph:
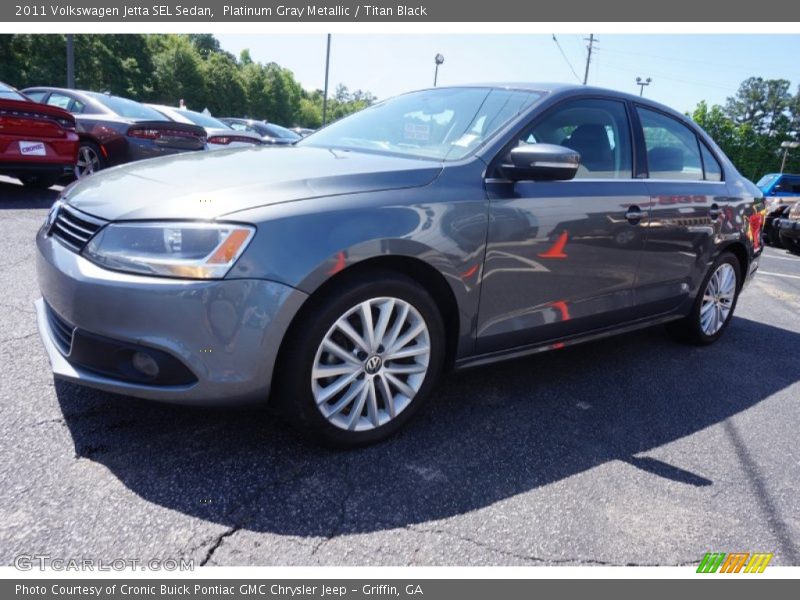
x,y
636,450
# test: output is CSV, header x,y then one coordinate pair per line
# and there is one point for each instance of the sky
x,y
684,68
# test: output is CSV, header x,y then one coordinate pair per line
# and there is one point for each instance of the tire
x,y
310,400
695,328
39,181
791,244
90,159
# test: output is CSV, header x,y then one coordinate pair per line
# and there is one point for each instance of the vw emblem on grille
x,y
373,364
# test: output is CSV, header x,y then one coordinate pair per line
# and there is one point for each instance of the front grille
x,y
62,331
74,228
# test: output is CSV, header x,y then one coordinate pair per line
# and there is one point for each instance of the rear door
x,y
689,203
562,256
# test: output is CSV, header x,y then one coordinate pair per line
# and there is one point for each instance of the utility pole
x,y
641,83
590,47
327,69
70,61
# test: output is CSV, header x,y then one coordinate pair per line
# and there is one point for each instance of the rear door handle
x,y
634,215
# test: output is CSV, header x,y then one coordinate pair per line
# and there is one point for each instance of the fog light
x,y
144,363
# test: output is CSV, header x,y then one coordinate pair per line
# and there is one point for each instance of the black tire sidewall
x,y
695,329
295,398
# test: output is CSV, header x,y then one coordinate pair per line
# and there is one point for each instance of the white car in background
x,y
220,135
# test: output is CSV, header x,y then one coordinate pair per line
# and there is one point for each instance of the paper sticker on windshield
x,y
466,140
32,149
417,131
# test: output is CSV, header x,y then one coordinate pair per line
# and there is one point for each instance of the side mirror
x,y
542,162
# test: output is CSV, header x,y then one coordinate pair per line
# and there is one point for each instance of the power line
x,y
565,58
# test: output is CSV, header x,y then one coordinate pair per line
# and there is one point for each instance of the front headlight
x,y
189,250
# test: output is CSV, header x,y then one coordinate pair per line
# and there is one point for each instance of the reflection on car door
x,y
689,202
562,256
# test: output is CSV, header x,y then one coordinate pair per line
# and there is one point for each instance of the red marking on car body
x,y
557,249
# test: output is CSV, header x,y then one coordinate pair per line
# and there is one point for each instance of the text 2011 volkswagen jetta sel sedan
x,y
446,227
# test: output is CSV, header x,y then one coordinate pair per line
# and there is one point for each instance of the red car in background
x,y
38,143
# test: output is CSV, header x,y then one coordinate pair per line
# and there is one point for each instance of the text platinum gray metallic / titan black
x,y
444,228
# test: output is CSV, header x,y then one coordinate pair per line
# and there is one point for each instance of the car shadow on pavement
x,y
488,434
17,196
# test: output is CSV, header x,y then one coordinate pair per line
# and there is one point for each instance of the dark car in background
x,y
789,228
38,144
781,192
445,228
115,130
270,132
219,134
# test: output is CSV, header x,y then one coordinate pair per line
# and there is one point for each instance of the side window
x,y
597,129
711,166
78,107
59,100
788,185
36,96
673,151
238,126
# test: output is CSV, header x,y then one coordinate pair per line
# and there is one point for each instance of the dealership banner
x,y
351,589
153,11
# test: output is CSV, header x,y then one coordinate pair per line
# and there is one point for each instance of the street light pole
x,y
786,146
641,83
438,59
70,61
327,69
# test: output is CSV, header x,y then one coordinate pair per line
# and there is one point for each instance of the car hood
x,y
207,185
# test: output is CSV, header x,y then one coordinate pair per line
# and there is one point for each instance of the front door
x,y
562,256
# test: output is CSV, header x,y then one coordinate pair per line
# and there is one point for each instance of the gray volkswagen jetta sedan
x,y
444,228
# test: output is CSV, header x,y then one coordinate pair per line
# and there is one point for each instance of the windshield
x,y
444,123
766,180
128,108
9,93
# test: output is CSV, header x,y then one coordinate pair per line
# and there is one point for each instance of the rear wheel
x,y
364,360
712,311
39,181
90,159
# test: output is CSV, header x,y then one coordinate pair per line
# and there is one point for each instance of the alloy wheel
x,y
718,299
88,162
371,363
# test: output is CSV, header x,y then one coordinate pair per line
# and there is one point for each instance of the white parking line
x,y
782,257
760,272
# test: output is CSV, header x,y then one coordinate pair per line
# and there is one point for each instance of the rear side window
x,y
711,166
673,151
595,128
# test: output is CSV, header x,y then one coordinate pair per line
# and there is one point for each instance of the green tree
x,y
177,71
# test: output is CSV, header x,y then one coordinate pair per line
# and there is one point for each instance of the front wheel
x,y
362,360
712,311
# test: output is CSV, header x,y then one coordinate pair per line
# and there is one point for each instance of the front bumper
x,y
225,332
788,227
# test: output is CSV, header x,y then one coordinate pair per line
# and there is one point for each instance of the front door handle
x,y
634,215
